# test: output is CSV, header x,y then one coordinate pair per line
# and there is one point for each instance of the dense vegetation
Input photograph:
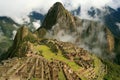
x,y
113,71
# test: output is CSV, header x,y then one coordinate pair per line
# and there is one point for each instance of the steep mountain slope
x,y
7,28
113,71
112,20
117,50
58,14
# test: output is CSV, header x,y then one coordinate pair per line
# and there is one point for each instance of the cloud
x,y
87,4
118,24
37,24
14,33
62,36
94,3
19,9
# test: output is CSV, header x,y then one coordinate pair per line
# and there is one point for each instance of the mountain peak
x,y
58,4
57,14
57,8
21,33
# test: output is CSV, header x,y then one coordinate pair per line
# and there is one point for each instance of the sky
x,y
19,9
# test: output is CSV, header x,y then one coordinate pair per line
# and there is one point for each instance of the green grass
x,y
48,54
98,64
61,76
113,71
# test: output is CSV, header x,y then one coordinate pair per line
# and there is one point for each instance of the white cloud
x,y
36,24
118,24
18,9
87,4
94,3
14,33
62,36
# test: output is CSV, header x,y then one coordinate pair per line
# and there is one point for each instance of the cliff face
x,y
117,50
110,41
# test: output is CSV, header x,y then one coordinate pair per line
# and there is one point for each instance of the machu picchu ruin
x,y
40,62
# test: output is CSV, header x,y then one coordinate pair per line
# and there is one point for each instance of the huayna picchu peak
x,y
55,52
58,14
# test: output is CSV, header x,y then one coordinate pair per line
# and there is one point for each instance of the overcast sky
x,y
18,9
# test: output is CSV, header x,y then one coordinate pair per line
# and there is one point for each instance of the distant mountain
x,y
110,17
76,11
36,16
7,26
7,29
111,21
